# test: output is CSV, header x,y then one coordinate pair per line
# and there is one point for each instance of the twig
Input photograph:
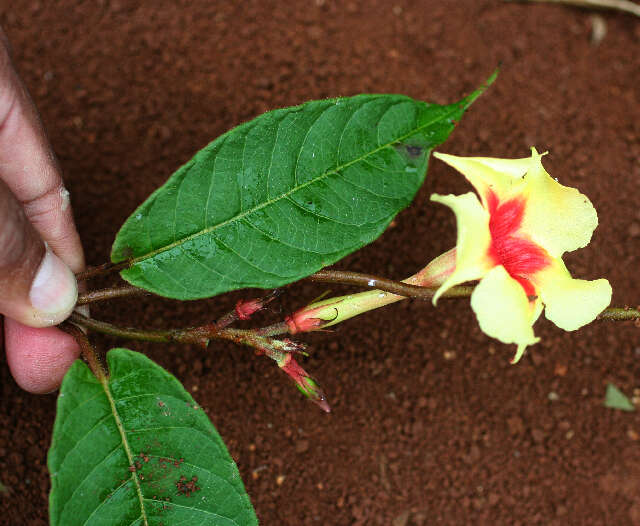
x,y
110,293
346,277
413,291
198,335
101,270
619,314
625,6
127,333
273,330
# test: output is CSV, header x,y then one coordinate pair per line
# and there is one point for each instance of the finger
x,y
28,167
38,358
36,287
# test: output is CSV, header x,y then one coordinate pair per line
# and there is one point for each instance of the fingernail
x,y
54,290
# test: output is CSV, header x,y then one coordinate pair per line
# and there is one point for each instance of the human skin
x,y
40,248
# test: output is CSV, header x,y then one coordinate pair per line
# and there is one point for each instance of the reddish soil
x,y
430,423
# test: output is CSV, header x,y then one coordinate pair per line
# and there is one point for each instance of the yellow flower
x,y
513,239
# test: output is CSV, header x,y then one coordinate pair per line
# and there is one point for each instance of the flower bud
x,y
246,308
313,317
305,383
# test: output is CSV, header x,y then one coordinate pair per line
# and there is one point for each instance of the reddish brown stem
x,y
111,293
89,353
101,270
113,330
346,277
198,335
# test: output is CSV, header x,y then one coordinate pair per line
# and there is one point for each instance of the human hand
x,y
39,246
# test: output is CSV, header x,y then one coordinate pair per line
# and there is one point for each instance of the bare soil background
x,y
430,423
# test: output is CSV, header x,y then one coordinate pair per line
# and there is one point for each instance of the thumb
x,y
36,287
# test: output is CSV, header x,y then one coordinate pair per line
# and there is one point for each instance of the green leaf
x,y
615,399
125,451
283,195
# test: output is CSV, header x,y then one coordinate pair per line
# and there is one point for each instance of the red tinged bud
x,y
305,383
312,317
298,322
246,308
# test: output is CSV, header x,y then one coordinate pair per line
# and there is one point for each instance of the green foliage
x,y
283,195
615,399
126,451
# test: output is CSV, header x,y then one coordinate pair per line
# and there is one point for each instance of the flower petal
x,y
504,311
474,239
570,303
489,174
558,218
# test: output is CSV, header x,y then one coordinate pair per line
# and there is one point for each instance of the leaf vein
x,y
298,187
315,214
276,240
78,484
207,512
273,149
303,142
346,124
248,262
61,465
211,180
125,444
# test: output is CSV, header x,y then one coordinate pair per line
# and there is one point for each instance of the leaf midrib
x,y
269,202
125,444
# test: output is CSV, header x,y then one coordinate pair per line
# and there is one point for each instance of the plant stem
x,y
110,293
625,6
346,277
327,312
273,330
343,277
101,270
113,330
198,335
88,351
620,314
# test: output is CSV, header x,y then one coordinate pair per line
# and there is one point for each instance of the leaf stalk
x,y
89,352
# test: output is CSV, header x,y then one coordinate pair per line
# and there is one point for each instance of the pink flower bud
x,y
304,320
246,308
305,383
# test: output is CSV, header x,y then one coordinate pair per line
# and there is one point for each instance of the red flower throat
x,y
519,256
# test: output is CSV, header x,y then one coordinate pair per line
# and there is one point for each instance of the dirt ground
x,y
430,423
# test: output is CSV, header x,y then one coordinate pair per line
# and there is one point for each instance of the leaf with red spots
x,y
138,450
